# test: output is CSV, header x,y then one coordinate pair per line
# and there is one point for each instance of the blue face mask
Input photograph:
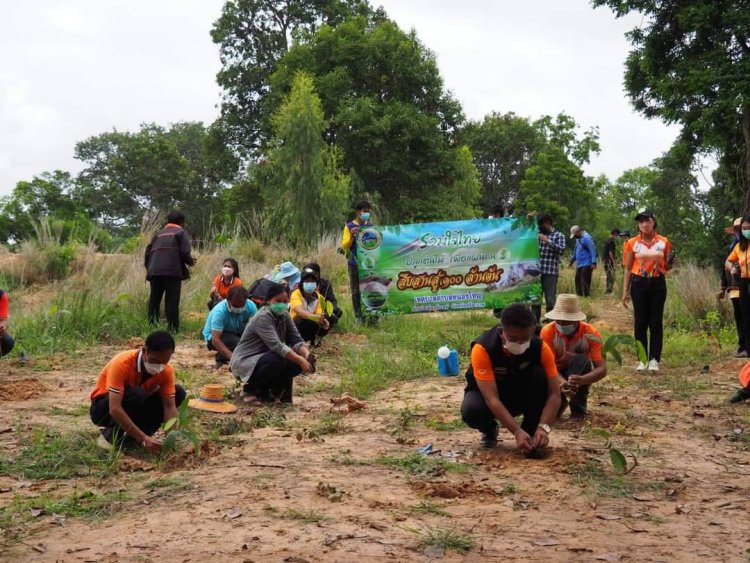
x,y
309,287
567,330
365,215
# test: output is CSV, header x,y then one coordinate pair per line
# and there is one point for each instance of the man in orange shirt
x,y
512,372
578,353
6,340
135,393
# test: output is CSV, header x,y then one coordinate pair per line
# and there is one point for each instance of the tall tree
x,y
385,106
689,65
310,194
252,36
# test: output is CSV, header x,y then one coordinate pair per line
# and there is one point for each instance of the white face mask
x,y
517,348
227,271
153,369
236,310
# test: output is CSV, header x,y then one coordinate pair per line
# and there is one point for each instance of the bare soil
x,y
246,498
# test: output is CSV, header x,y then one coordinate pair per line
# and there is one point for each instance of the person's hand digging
x,y
152,445
524,441
541,439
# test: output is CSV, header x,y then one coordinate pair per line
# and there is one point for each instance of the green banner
x,y
455,266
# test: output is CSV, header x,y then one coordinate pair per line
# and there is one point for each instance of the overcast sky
x,y
70,69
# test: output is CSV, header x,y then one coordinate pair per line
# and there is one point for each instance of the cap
x,y
645,213
573,230
309,272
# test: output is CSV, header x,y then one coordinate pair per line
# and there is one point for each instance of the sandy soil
x,y
687,500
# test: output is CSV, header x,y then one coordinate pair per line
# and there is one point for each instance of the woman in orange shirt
x,y
740,256
230,277
647,258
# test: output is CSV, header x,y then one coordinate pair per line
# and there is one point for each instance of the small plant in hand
x,y
180,429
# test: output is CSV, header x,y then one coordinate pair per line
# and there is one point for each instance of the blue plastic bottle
x,y
448,367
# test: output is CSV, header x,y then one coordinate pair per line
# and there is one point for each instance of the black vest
x,y
505,365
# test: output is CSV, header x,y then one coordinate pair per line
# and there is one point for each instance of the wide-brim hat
x,y
211,399
566,309
737,223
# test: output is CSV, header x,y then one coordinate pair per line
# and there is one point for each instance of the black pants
x,y
230,340
272,378
354,286
739,323
524,393
609,268
146,412
649,296
579,365
310,330
745,308
549,287
583,281
169,288
6,344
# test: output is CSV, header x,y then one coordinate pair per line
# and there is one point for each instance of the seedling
x,y
610,347
180,428
619,462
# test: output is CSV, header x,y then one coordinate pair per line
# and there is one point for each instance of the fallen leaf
x,y
608,517
233,513
36,512
681,509
636,529
39,548
549,542
58,519
612,557
643,498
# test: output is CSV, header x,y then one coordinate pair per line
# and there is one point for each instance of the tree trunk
x,y
746,163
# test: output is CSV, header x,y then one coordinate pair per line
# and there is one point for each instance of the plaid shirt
x,y
550,252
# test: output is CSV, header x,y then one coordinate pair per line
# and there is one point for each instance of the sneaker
x,y
741,354
640,367
741,395
489,439
653,365
102,442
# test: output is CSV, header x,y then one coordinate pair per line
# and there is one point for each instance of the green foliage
x,y
179,430
309,194
610,347
447,539
308,516
429,507
49,454
616,457
421,465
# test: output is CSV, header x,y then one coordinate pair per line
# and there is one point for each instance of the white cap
x,y
573,230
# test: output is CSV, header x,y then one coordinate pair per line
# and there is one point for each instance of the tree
x,y
503,146
385,107
310,194
129,175
556,185
563,133
689,65
252,36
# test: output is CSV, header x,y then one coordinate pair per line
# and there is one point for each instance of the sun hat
x,y
573,230
286,271
211,399
566,309
737,223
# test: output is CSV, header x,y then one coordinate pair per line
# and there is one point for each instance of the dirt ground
x,y
687,499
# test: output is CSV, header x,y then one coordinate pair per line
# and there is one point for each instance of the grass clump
x,y
329,423
268,417
421,465
49,454
443,426
308,516
429,507
447,539
603,483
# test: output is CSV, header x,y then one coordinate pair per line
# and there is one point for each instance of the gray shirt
x,y
264,333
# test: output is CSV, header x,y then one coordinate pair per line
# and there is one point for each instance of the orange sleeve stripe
x,y
548,361
481,363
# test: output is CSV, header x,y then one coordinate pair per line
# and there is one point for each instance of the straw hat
x,y
566,309
212,399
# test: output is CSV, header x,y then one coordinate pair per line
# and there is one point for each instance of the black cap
x,y
625,233
308,272
645,213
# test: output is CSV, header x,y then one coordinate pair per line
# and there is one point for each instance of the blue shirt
x,y
584,254
223,320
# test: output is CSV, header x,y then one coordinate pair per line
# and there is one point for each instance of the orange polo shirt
x,y
649,258
222,288
484,371
586,340
738,256
126,370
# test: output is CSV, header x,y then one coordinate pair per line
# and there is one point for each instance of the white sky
x,y
70,69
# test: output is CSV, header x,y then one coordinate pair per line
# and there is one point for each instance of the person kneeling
x,y
512,372
6,340
307,307
225,323
135,393
578,353
271,352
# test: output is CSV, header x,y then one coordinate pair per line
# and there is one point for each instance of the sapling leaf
x,y
641,352
168,425
169,443
601,432
618,460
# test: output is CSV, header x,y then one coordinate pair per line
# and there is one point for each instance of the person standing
x,y
647,257
551,246
6,340
730,286
739,257
584,257
167,259
362,211
610,258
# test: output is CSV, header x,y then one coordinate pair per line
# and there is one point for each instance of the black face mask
x,y
545,230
